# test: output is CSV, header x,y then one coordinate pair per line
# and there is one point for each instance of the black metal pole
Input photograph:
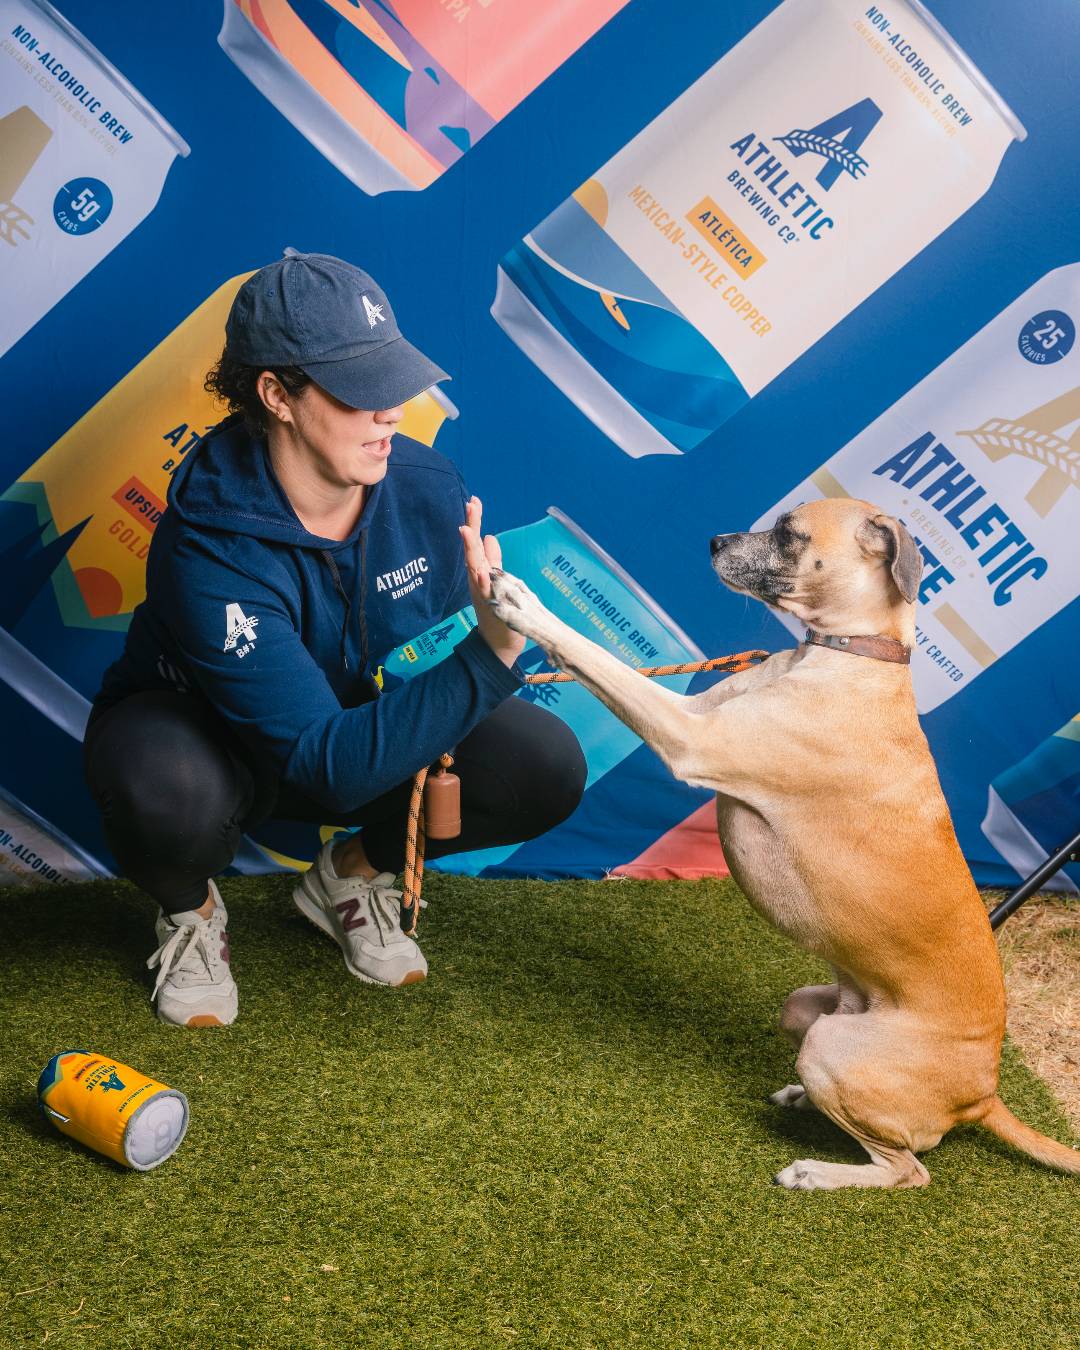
x,y
1069,852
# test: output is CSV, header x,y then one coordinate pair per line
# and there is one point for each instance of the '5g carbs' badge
x,y
82,205
82,155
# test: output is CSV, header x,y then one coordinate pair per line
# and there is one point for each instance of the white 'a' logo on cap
x,y
373,312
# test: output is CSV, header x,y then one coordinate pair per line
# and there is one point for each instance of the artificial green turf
x,y
560,1139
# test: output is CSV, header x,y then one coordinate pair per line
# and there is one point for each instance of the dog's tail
x,y
1000,1120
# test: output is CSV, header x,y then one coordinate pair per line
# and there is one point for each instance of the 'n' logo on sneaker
x,y
347,909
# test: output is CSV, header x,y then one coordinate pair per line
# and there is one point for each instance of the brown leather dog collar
x,y
880,648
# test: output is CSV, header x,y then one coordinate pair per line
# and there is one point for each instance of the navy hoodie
x,y
281,630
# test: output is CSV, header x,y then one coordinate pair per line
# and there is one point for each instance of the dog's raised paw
x,y
515,604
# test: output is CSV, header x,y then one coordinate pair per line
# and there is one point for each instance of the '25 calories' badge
x,y
1047,338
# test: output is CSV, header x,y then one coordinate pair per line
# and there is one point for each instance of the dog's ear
x,y
884,537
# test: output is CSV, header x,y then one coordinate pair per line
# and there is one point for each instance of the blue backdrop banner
x,y
686,265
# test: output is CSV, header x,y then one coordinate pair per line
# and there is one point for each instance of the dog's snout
x,y
718,543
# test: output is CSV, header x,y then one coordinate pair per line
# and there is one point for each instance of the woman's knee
x,y
524,767
160,782
552,776
564,774
177,814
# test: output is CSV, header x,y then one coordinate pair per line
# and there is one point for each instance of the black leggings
x,y
176,791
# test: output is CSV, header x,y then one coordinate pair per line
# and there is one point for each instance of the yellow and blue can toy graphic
x,y
112,1108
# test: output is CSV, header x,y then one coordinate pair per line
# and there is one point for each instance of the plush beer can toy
x,y
111,1107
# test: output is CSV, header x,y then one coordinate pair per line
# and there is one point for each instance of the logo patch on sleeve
x,y
238,625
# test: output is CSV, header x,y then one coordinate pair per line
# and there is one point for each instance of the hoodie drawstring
x,y
363,593
332,564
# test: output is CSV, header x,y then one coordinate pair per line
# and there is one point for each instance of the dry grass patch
x,y
1040,950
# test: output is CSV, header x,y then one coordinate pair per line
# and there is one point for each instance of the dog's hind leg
x,y
794,1095
800,1011
890,1168
860,1070
803,1008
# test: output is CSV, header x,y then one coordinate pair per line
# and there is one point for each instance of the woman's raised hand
x,y
481,555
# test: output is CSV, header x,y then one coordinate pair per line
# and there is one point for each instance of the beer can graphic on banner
x,y
112,1108
83,159
793,179
981,461
80,519
577,580
32,850
395,93
1033,808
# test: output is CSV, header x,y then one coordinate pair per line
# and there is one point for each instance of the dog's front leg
x,y
663,719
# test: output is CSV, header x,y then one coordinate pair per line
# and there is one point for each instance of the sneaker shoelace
x,y
386,910
187,940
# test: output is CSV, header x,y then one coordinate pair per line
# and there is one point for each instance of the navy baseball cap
x,y
334,322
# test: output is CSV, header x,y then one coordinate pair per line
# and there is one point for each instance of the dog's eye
x,y
787,538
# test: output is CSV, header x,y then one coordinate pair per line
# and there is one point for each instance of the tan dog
x,y
834,824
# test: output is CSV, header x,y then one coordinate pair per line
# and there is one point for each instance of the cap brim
x,y
383,378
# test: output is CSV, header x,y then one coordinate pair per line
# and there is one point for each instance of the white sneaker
x,y
364,919
195,987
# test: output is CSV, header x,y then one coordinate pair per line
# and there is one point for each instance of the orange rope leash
x,y
414,829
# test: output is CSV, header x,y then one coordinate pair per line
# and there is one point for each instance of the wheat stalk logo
x,y
13,219
23,138
1034,436
802,142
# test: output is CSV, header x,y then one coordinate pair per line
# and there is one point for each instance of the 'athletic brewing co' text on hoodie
x,y
282,631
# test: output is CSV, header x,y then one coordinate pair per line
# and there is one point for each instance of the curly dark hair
x,y
234,384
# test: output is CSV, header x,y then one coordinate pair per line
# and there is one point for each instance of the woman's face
x,y
348,447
